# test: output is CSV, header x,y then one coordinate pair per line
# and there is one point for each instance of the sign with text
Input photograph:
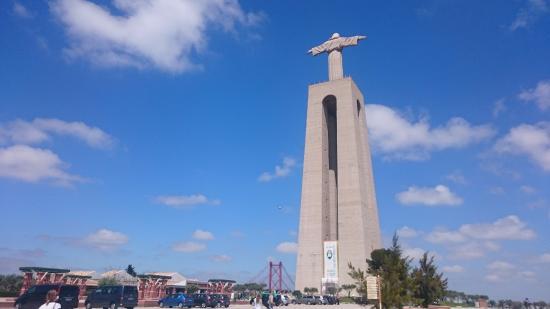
x,y
372,287
331,261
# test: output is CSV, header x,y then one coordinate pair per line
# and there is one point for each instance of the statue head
x,y
335,36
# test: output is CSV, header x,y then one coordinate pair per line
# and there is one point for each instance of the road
x,y
345,306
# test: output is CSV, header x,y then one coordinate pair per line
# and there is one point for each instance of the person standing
x,y
51,303
271,300
257,302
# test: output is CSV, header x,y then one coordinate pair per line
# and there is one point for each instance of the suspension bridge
x,y
275,277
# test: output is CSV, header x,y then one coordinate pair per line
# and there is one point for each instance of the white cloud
x,y
105,239
540,95
21,11
544,258
396,137
501,271
453,269
496,190
529,14
527,274
413,253
163,34
280,170
473,241
530,140
493,278
527,189
407,232
221,258
287,247
457,177
203,235
445,237
188,247
507,228
498,108
185,201
500,266
440,195
41,129
30,164
472,250
237,234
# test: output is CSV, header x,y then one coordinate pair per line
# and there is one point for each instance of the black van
x,y
204,300
112,297
35,296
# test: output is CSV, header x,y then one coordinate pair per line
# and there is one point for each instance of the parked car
x,y
35,296
310,300
112,297
296,300
320,300
221,300
332,300
179,300
204,300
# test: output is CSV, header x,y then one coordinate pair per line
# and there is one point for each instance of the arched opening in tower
x,y
331,155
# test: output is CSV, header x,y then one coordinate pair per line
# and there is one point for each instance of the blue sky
x,y
170,134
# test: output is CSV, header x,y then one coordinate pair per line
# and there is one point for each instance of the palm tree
x,y
348,288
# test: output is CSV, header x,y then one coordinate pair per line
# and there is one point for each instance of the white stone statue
x,y
333,47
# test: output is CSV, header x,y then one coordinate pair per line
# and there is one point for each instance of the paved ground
x,y
345,306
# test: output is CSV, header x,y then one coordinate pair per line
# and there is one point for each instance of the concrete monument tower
x,y
338,215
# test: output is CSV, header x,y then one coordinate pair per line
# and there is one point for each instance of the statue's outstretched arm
x,y
317,50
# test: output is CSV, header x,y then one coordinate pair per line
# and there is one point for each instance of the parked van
x,y
112,297
35,296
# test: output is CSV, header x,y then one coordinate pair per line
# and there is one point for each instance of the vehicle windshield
x,y
69,290
128,290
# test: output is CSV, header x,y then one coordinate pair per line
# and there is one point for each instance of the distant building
x,y
151,286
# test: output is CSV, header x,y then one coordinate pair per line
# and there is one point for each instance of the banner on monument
x,y
372,287
331,261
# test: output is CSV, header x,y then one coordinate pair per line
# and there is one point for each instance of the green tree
x,y
10,285
131,271
348,288
360,278
191,289
297,294
429,285
108,281
309,290
393,269
239,288
331,290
